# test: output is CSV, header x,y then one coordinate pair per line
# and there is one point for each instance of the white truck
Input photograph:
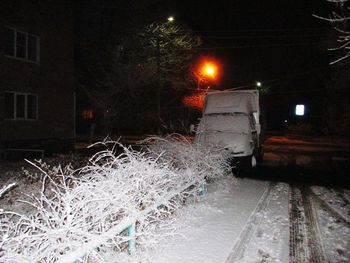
x,y
231,120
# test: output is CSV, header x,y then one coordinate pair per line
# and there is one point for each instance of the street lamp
x,y
207,70
170,20
258,84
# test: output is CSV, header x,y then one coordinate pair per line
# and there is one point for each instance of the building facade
x,y
37,101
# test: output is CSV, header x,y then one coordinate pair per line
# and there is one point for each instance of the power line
x,y
261,36
259,46
256,30
282,79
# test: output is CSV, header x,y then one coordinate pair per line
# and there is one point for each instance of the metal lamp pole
x,y
158,85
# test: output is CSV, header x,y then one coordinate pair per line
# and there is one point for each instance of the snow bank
x,y
78,209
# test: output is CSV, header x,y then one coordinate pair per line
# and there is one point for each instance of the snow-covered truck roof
x,y
235,101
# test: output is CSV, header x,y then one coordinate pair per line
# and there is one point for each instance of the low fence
x,y
129,224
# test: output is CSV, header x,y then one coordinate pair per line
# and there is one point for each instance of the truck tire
x,y
260,155
246,166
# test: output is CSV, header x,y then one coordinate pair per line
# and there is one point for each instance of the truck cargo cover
x,y
242,101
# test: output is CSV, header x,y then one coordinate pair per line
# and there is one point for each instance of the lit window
x,y
21,45
299,110
88,114
21,106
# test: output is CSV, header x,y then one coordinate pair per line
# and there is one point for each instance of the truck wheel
x,y
251,165
253,161
260,154
246,166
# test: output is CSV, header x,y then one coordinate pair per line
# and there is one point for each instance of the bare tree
x,y
335,109
340,17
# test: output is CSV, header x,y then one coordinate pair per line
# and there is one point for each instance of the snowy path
x,y
219,226
267,229
248,221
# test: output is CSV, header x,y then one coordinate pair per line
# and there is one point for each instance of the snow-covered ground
x,y
238,220
209,229
229,225
244,220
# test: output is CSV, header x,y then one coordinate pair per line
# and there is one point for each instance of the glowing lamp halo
x,y
208,69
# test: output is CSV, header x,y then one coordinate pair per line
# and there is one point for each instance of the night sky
x,y
256,40
270,41
278,43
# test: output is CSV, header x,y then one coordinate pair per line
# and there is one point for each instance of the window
x,y
9,39
21,106
21,45
88,114
9,105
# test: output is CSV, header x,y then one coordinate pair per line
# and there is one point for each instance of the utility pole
x,y
158,86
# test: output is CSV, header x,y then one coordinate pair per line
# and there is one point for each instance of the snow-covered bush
x,y
39,168
77,208
179,152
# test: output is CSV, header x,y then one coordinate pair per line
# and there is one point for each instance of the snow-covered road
x,y
247,220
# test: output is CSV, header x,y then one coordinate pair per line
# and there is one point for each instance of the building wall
x,y
51,79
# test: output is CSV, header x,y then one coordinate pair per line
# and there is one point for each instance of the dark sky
x,y
259,40
277,42
266,40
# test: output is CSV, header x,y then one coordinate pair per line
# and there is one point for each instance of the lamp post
x,y
158,84
158,54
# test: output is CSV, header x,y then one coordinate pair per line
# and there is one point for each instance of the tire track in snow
x,y
343,195
305,242
333,212
297,231
251,225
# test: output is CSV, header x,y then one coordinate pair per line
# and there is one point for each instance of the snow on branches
x,y
81,208
6,188
340,18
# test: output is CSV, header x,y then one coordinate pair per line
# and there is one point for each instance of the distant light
x,y
299,110
171,18
258,84
285,121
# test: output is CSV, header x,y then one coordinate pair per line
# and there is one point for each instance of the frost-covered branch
x,y
74,211
340,18
6,188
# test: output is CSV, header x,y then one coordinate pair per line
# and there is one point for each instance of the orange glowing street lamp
x,y
208,70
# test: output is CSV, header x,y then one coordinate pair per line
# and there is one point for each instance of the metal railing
x,y
129,224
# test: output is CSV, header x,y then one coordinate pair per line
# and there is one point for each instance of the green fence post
x,y
131,241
